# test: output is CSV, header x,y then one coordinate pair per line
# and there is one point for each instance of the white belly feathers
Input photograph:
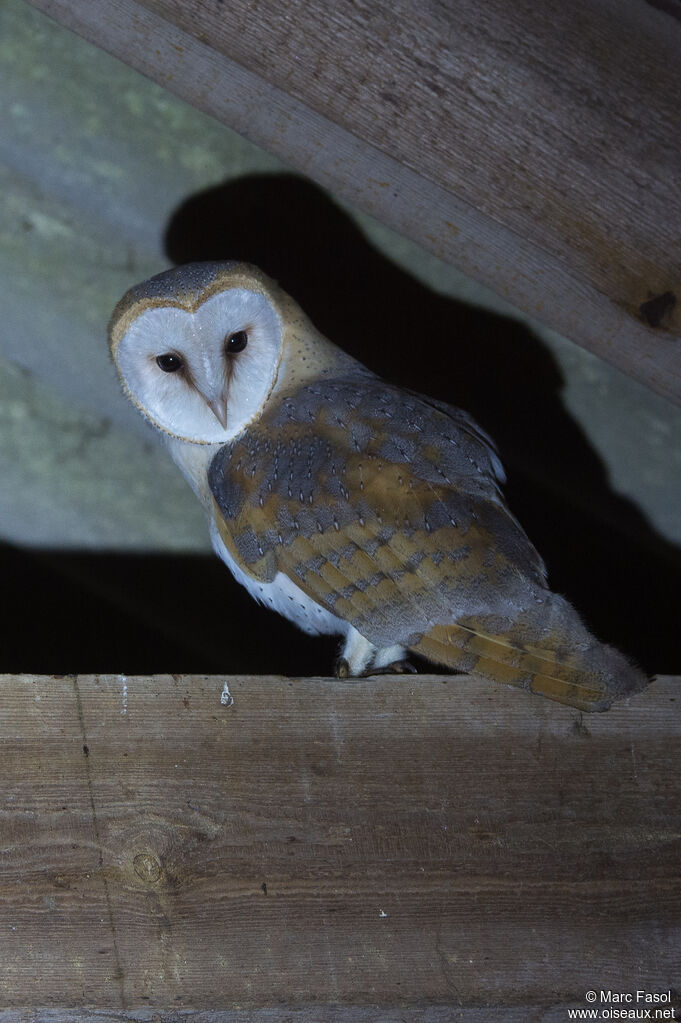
x,y
282,595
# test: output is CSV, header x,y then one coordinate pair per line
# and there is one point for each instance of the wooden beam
x,y
536,147
425,844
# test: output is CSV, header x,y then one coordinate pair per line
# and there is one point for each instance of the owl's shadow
x,y
601,550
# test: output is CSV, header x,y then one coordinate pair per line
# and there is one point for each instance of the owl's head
x,y
198,348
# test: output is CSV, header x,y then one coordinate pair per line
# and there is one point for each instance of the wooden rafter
x,y
536,147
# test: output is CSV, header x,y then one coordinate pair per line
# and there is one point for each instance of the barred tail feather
x,y
546,650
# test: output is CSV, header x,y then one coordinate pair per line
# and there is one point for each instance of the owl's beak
x,y
218,407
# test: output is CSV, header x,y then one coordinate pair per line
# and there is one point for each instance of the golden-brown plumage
x,y
416,548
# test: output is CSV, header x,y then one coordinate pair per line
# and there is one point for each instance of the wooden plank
x,y
536,147
421,843
316,1014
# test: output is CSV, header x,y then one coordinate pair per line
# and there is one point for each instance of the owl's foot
x,y
341,668
357,653
401,667
389,661
359,659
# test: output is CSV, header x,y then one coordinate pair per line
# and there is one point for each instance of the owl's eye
x,y
170,362
236,342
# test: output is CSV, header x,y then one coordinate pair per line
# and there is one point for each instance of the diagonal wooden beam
x,y
535,147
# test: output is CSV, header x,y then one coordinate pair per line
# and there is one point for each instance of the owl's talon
x,y
402,667
341,668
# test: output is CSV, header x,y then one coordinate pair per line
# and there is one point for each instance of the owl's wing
x,y
385,509
464,422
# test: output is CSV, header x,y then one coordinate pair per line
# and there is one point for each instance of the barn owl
x,y
350,506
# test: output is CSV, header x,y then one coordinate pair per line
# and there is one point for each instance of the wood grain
x,y
421,843
536,147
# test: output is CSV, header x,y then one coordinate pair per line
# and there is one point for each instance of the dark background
x,y
66,612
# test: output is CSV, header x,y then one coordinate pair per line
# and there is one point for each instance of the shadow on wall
x,y
159,614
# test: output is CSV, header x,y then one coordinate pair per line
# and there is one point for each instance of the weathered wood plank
x,y
535,147
313,1014
384,843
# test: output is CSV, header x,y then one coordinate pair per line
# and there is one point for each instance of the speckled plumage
x,y
385,509
378,514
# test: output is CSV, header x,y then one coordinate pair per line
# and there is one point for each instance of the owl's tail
x,y
547,650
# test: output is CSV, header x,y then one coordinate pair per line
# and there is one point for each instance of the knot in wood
x,y
657,308
147,867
